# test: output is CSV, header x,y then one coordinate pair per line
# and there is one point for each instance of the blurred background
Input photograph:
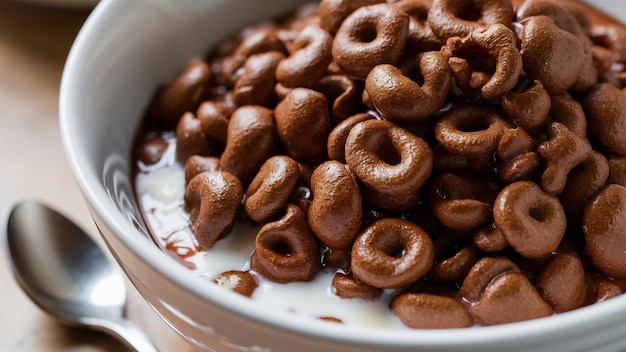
x,y
35,38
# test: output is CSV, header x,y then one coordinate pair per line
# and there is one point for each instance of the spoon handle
x,y
130,334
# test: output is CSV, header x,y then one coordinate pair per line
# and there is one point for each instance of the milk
x,y
160,190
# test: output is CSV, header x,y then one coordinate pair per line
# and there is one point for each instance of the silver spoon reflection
x,y
66,273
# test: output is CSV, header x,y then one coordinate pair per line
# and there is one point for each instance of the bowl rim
x,y
91,188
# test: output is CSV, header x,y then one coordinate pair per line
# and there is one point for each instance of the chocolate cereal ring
x,y
241,282
453,259
391,253
303,112
258,41
342,94
394,93
335,213
370,36
517,161
460,203
212,199
256,84
528,108
251,140
482,273
470,130
499,43
583,182
271,187
430,311
388,158
310,55
190,139
531,220
184,94
347,287
213,119
561,282
508,298
286,250
551,54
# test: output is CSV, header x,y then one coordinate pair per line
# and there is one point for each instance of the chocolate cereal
x,y
462,162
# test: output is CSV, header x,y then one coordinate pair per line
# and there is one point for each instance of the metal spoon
x,y
66,273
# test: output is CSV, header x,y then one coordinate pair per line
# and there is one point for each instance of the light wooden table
x,y
34,42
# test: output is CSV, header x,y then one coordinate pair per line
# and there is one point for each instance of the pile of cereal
x,y
467,156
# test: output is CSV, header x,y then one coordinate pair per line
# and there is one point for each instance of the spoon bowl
x,y
65,273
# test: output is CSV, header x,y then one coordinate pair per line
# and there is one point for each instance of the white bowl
x,y
126,49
